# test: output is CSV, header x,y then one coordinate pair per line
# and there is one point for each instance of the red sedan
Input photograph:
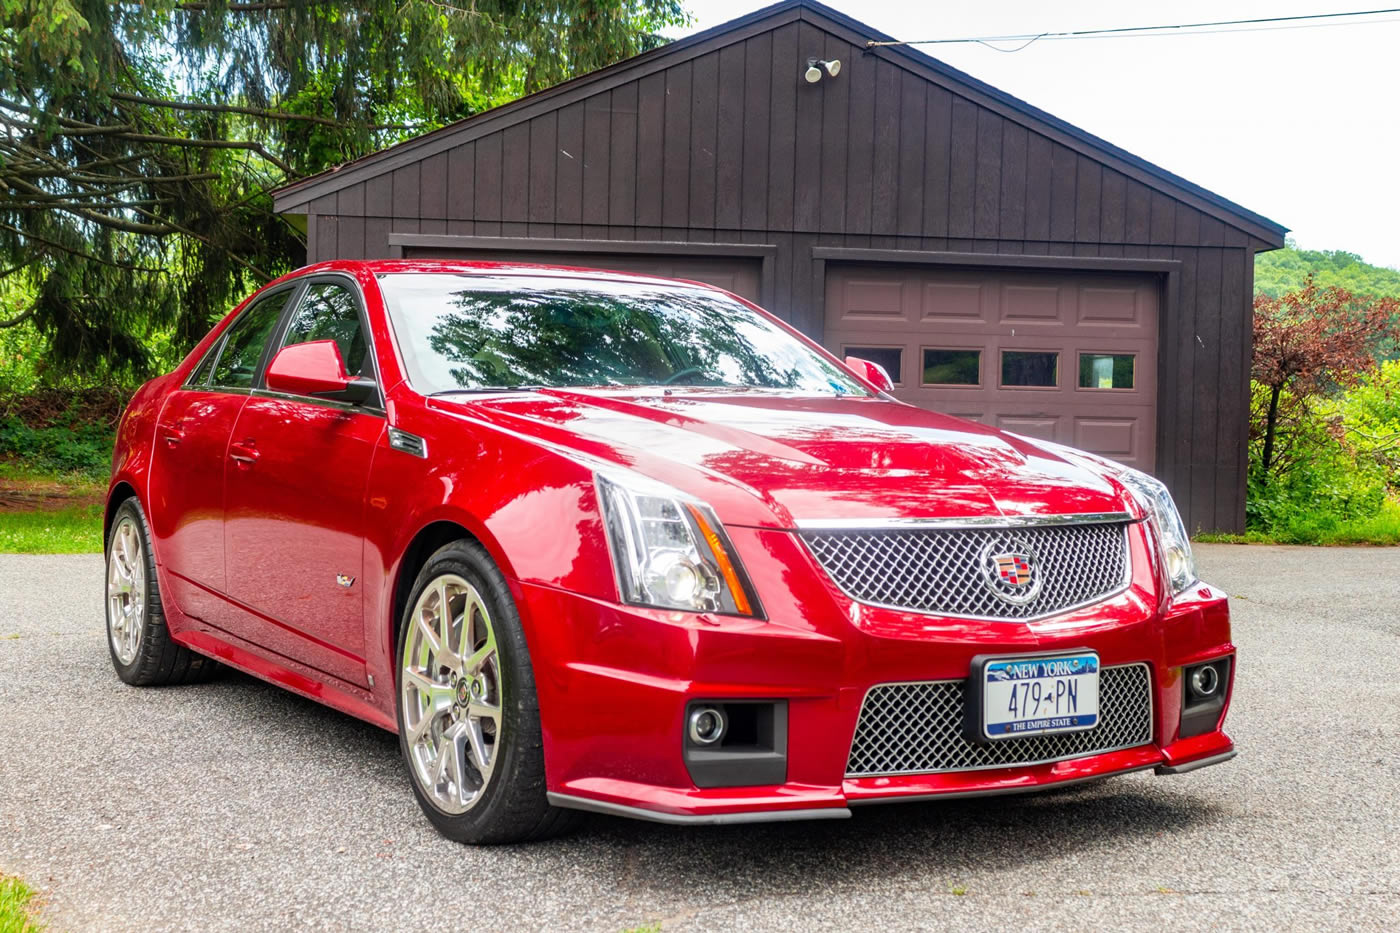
x,y
591,541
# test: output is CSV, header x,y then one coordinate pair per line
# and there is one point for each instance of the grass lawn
x,y
16,907
1383,528
74,530
47,513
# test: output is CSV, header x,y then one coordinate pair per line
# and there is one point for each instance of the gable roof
x,y
296,196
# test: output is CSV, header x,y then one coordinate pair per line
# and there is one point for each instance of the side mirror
x,y
316,369
872,373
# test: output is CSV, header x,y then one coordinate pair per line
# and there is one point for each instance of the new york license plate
x,y
1035,696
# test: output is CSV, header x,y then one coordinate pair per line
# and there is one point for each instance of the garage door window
x,y
888,357
1033,368
952,367
1106,370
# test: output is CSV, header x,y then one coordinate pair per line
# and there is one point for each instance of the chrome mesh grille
x,y
940,571
917,728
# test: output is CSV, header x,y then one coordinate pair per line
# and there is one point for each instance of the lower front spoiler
x,y
1188,766
571,802
759,807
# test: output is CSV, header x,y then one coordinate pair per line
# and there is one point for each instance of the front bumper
x,y
614,683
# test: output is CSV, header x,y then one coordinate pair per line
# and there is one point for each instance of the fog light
x,y
1205,681
707,725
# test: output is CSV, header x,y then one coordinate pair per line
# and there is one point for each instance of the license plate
x,y
1039,695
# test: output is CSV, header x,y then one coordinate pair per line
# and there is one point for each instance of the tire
x,y
138,640
470,736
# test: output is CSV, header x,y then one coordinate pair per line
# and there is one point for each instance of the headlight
x,y
1171,531
1154,498
670,551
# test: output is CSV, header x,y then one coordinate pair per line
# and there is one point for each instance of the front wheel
x,y
468,716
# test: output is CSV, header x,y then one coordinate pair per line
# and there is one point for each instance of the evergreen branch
x,y
117,223
260,112
232,7
209,242
81,254
16,321
71,128
212,144
60,120
112,223
67,203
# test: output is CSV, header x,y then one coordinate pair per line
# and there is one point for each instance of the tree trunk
x,y
1270,427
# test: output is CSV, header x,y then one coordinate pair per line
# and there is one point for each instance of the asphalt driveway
x,y
238,806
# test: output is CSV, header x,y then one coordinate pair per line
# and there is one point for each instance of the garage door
x,y
1066,357
740,276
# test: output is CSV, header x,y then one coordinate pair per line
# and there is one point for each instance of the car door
x,y
186,493
294,498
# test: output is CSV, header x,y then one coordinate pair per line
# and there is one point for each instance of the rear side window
x,y
243,347
329,312
200,376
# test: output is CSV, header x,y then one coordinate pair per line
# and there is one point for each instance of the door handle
x,y
174,433
245,452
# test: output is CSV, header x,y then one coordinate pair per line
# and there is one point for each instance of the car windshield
x,y
475,332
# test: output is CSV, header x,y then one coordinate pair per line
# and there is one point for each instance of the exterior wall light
x,y
813,74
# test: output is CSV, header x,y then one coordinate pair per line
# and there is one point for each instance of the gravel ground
x,y
237,806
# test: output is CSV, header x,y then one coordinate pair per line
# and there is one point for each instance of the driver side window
x,y
246,340
329,311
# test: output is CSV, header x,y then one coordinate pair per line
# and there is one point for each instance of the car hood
x,y
775,459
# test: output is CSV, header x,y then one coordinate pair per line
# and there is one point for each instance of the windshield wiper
x,y
486,390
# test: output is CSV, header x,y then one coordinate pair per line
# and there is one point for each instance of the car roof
x,y
483,268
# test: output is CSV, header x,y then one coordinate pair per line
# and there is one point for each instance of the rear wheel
x,y
468,716
137,638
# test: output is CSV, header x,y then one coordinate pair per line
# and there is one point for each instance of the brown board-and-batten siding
x,y
717,140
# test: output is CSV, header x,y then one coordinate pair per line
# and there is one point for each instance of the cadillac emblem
x,y
1011,573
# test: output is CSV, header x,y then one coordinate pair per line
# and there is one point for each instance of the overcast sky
x,y
1300,125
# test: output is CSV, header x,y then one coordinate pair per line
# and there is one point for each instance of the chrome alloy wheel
x,y
126,590
451,689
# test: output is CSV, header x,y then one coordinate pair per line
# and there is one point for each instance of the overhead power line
x,y
1244,25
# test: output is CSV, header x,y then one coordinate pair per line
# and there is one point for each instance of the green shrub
x,y
66,448
1316,503
1336,470
52,431
1370,418
20,348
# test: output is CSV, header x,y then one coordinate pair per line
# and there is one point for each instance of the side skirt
x,y
333,693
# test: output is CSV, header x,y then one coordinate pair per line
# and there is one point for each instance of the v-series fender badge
x,y
345,580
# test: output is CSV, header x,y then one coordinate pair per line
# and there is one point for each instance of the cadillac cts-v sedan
x,y
593,541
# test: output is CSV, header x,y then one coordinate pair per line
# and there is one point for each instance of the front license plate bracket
x,y
1072,674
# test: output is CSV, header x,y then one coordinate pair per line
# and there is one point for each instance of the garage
x,y
1002,263
1067,358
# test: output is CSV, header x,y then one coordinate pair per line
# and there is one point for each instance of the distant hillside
x,y
1283,270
